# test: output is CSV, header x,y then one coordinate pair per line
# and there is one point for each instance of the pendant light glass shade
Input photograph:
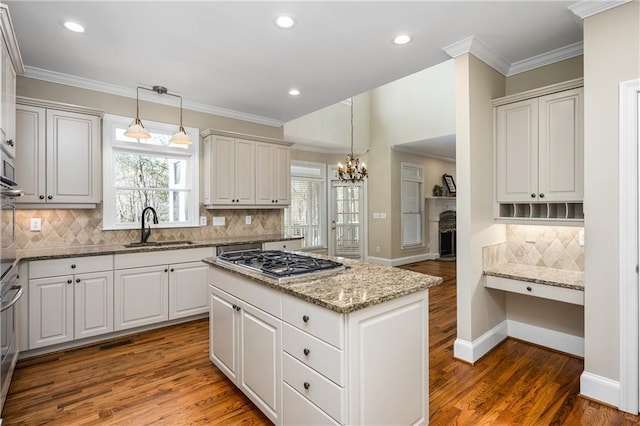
x,y
137,130
180,137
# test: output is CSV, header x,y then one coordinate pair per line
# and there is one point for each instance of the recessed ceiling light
x,y
73,26
285,21
294,92
402,39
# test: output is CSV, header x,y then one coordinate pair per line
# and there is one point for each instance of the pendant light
x,y
353,171
136,130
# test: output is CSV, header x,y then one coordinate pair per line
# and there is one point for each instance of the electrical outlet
x,y
247,220
530,236
36,224
218,221
377,249
203,221
581,237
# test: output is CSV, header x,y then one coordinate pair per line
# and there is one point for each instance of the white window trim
x,y
404,165
314,171
109,124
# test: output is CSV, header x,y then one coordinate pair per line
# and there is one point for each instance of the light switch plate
x,y
36,224
383,215
218,221
530,236
376,215
581,237
247,220
203,221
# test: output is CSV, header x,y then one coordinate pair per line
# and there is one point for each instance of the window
x,y
148,172
412,205
306,216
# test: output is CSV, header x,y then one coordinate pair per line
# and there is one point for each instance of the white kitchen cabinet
x,y
539,146
273,174
229,171
69,299
245,343
58,155
10,65
141,296
244,170
187,289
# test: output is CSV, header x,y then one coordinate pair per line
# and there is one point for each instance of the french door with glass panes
x,y
346,231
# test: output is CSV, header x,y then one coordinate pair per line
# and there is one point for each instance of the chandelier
x,y
353,171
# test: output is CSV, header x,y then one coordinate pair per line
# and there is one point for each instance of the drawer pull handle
x,y
73,266
528,288
306,385
306,351
305,318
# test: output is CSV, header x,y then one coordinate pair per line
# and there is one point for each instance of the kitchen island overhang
x,y
346,347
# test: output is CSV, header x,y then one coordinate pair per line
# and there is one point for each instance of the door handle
x,y
333,224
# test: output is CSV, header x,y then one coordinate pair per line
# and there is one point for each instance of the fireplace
x,y
436,206
447,234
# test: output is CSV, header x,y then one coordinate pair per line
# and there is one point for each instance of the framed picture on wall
x,y
449,183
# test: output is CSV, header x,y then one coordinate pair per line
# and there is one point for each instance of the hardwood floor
x,y
164,377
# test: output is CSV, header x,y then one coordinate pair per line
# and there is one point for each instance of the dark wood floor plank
x,y
164,377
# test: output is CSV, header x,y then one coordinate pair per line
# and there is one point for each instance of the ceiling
x,y
230,56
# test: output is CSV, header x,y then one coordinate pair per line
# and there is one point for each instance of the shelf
x,y
548,212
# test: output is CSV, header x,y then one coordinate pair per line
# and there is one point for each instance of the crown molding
x,y
553,56
584,9
9,36
473,45
114,89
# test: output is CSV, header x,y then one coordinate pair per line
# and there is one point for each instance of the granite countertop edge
x,y
422,282
540,275
100,250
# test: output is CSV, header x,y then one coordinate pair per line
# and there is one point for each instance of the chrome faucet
x,y
145,233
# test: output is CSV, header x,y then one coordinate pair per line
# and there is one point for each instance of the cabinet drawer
x,y
258,295
70,265
313,352
561,294
323,323
300,411
315,387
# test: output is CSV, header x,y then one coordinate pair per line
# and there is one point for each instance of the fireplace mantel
x,y
435,206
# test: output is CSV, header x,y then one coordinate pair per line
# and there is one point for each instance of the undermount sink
x,y
159,244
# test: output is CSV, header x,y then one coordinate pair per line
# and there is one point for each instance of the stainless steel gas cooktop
x,y
279,264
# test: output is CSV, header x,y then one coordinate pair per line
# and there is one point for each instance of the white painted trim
x,y
130,92
9,36
401,260
628,207
480,50
599,388
584,9
553,339
473,351
551,57
414,151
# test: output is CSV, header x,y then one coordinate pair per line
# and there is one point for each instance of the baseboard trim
x,y
553,339
471,352
600,389
401,260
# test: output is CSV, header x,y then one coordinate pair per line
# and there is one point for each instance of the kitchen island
x,y
342,347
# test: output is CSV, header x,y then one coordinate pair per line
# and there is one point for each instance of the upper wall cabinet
x,y
539,148
58,155
242,171
10,65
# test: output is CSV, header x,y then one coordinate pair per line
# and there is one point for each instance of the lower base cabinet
x,y
366,367
141,296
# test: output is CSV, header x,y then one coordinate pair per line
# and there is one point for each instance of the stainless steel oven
x,y
10,293
8,191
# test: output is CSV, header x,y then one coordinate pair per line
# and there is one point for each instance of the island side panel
x,y
388,362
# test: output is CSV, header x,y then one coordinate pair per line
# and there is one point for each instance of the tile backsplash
x,y
555,247
63,228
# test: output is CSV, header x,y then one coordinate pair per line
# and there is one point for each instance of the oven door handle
x,y
13,193
15,298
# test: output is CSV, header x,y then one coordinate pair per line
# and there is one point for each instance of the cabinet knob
x,y
528,288
166,270
305,318
533,195
172,269
49,197
10,142
41,197
77,280
238,308
306,351
69,281
541,195
73,266
306,385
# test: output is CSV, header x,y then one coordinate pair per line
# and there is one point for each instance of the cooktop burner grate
x,y
279,263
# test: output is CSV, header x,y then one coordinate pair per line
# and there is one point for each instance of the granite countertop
x,y
79,251
361,285
540,275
